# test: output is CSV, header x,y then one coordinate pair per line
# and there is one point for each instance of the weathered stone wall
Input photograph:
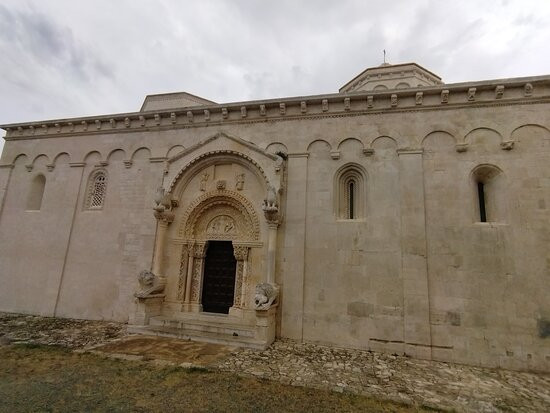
x,y
415,272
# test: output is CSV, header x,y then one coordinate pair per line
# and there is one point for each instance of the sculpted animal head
x,y
146,278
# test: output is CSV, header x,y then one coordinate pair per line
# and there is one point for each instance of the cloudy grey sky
x,y
64,58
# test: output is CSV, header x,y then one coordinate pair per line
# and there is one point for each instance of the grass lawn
x,y
36,378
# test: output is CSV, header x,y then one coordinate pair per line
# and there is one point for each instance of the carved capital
x,y
199,250
461,147
240,252
164,216
507,146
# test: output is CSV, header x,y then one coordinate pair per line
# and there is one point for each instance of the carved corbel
x,y
461,147
445,96
499,91
163,209
370,102
270,206
507,146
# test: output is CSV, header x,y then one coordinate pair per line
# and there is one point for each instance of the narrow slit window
x,y
349,192
351,212
481,199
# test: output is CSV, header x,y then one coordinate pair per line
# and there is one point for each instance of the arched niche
x,y
220,215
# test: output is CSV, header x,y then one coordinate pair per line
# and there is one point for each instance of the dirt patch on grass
x,y
47,378
167,349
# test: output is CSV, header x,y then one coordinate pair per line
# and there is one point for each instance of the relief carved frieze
x,y
221,226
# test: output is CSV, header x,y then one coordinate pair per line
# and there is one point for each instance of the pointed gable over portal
x,y
387,77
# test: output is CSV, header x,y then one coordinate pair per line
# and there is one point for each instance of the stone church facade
x,y
401,214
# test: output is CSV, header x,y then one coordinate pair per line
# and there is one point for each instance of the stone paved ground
x,y
439,385
428,383
57,331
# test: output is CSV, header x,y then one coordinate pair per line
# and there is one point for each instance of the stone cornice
x,y
446,96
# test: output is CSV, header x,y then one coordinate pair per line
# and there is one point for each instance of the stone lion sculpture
x,y
149,284
266,296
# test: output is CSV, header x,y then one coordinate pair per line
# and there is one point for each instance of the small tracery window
x,y
349,192
97,188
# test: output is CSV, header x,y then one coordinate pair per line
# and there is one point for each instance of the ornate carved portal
x,y
218,228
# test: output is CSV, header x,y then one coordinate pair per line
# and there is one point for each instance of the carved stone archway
x,y
222,215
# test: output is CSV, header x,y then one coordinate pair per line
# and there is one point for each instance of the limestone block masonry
x,y
401,215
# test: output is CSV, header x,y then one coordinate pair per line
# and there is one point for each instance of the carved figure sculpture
x,y
204,179
270,205
266,296
149,284
270,202
239,182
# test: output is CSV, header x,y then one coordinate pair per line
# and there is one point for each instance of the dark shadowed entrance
x,y
219,277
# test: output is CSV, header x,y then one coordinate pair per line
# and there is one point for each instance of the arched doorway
x,y
218,293
219,229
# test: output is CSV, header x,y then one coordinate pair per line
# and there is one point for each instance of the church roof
x,y
165,101
388,76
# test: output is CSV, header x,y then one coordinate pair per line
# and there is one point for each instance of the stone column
x,y
162,226
164,218
190,258
199,252
241,273
271,251
241,255
417,329
271,211
183,273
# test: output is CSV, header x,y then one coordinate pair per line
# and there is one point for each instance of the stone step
x,y
199,335
199,325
